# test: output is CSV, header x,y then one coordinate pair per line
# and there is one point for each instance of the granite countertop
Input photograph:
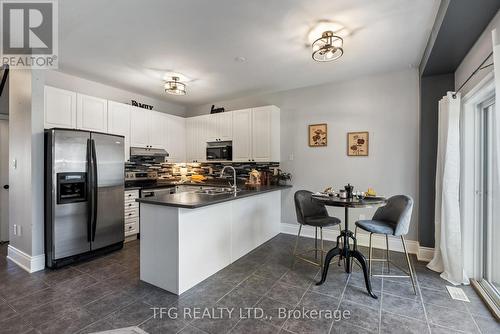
x,y
192,200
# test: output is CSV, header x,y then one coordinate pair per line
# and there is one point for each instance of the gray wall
x,y
386,105
93,88
432,89
475,56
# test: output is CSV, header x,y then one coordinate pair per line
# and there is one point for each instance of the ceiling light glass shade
x,y
175,87
328,47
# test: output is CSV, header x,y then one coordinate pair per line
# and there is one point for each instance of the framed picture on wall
x,y
318,135
357,144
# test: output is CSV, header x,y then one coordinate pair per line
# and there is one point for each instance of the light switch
x,y
14,163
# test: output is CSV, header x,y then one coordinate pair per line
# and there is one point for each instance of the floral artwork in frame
x,y
357,144
318,135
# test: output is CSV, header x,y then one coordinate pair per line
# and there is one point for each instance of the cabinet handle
x,y
130,204
130,214
129,195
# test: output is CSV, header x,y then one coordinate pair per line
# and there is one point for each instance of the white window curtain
x,y
448,252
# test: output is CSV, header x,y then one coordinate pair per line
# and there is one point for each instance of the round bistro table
x,y
346,252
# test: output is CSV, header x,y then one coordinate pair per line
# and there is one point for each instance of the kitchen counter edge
x,y
206,200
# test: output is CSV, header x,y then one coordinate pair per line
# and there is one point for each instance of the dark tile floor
x,y
106,293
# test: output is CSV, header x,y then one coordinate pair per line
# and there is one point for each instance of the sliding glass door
x,y
490,203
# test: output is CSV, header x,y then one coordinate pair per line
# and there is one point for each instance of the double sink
x,y
213,191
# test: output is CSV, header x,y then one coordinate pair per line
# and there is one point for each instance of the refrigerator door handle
x,y
89,189
94,188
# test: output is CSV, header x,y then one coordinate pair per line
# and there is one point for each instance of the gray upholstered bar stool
x,y
312,213
392,219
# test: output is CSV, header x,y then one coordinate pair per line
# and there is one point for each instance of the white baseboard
x,y
378,241
25,261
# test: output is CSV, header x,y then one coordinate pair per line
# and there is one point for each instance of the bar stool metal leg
x,y
412,277
316,243
370,256
387,253
322,246
295,248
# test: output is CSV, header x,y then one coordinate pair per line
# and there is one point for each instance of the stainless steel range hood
x,y
148,152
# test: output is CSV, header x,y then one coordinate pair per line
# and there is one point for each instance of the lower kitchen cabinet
x,y
131,227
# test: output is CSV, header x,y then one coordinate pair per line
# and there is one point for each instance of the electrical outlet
x,y
290,157
15,229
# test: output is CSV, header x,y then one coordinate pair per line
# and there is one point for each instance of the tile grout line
x,y
417,283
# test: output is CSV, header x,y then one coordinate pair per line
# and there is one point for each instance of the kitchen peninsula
x,y
187,237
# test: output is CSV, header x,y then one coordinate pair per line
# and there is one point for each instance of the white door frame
x,y
471,173
4,179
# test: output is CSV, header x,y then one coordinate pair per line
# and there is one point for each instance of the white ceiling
x,y
130,44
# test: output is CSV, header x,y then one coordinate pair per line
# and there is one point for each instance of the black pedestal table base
x,y
345,252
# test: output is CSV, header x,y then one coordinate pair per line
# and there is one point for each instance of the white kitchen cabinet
x,y
242,135
119,123
220,127
139,123
157,129
131,223
176,138
91,113
265,134
196,138
256,134
59,108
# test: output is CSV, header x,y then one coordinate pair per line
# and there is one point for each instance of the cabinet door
x,y
119,123
91,113
156,129
176,142
242,135
261,134
190,139
59,108
211,128
202,137
139,121
224,126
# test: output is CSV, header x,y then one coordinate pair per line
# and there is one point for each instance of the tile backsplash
x,y
172,171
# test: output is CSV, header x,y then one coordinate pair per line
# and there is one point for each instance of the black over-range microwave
x,y
220,152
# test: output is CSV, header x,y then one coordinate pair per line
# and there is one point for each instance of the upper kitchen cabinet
x,y
157,129
197,129
266,134
59,108
91,113
220,127
242,138
256,134
176,138
139,127
119,123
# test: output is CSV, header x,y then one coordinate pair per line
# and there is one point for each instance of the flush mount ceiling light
x,y
328,47
175,87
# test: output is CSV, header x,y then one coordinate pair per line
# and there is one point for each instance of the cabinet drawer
x,y
131,205
131,228
132,213
131,195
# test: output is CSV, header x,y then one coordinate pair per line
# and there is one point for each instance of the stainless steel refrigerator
x,y
84,195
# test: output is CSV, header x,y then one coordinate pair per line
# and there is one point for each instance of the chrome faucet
x,y
233,186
